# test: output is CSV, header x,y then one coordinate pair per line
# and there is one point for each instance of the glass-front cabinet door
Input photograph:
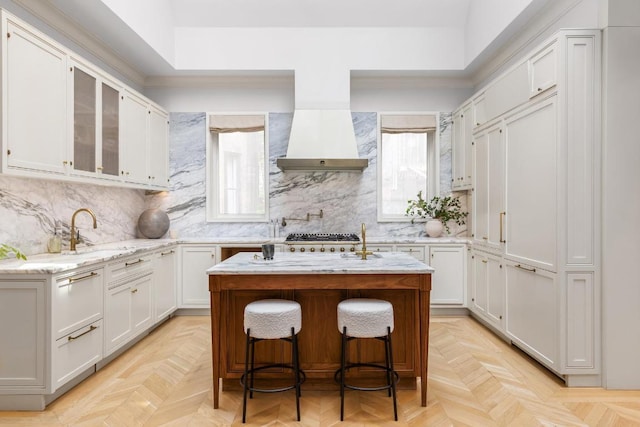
x,y
96,116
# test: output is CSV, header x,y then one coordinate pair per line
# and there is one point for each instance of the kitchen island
x,y
319,282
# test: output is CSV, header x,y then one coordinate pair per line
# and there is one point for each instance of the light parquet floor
x,y
475,379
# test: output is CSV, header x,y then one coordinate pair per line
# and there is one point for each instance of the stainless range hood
x,y
322,140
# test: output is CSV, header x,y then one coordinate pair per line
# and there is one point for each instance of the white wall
x,y
621,200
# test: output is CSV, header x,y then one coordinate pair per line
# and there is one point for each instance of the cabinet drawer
x,y
128,268
76,352
380,248
78,301
415,251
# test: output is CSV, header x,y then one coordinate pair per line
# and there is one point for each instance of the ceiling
x,y
145,35
316,13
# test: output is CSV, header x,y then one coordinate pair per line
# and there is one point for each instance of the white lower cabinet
x,y
128,300
164,278
22,335
488,288
416,251
77,352
194,281
448,283
532,311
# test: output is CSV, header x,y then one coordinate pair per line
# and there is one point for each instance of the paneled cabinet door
x,y
462,157
158,148
531,185
496,290
194,282
22,332
449,280
479,283
164,274
532,311
135,129
34,102
489,213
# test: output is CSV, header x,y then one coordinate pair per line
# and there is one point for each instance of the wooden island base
x,y
319,339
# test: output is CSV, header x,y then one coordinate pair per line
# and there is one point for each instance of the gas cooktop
x,y
322,237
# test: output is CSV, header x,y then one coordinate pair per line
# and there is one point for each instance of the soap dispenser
x,y
54,245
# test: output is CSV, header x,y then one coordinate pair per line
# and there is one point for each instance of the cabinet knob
x,y
292,249
133,291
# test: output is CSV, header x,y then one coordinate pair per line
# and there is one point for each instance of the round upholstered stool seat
x,y
271,319
365,317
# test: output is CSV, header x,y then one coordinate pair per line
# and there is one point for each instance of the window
x,y
237,168
407,161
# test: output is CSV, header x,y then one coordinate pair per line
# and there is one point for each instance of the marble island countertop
x,y
295,263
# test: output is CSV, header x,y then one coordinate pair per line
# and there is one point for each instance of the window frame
x,y
432,184
212,177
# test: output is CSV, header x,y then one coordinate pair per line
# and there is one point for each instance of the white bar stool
x,y
366,318
271,319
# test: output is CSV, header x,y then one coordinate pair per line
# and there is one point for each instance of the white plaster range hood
x,y
322,140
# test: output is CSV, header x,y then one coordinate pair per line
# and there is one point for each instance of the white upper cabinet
x,y
64,118
542,70
158,147
135,131
34,102
95,109
461,148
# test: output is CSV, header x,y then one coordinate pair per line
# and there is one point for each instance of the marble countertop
x,y
56,263
67,260
296,263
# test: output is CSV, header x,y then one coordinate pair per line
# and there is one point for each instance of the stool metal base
x,y
247,379
392,376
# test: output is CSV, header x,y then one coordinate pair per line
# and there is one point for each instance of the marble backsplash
x,y
30,208
347,199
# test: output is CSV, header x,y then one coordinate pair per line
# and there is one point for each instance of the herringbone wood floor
x,y
475,379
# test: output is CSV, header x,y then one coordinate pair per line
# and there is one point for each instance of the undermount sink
x,y
355,256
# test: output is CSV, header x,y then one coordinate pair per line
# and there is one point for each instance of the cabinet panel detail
x,y
580,321
581,184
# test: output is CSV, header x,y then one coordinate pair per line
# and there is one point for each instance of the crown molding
x,y
52,16
245,79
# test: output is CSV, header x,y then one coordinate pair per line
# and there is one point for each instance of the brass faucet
x,y
73,241
364,252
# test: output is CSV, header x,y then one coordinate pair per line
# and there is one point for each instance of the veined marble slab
x,y
296,263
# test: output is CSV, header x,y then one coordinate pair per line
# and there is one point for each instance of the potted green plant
x,y
5,250
439,211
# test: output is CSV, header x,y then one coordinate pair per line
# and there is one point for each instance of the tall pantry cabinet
x,y
536,193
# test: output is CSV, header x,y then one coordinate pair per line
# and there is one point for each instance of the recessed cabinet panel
x,y
134,139
542,71
448,283
196,260
84,121
110,130
531,189
158,148
77,301
22,325
532,311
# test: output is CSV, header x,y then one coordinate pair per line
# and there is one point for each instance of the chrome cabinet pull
x,y
532,270
129,264
91,329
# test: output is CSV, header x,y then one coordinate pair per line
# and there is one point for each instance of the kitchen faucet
x,y
364,252
73,241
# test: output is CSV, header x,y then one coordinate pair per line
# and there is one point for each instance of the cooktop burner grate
x,y
322,237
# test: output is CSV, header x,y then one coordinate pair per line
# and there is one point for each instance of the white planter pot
x,y
434,228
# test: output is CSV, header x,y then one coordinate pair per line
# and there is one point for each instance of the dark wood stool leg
x,y
342,371
246,379
393,382
296,369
